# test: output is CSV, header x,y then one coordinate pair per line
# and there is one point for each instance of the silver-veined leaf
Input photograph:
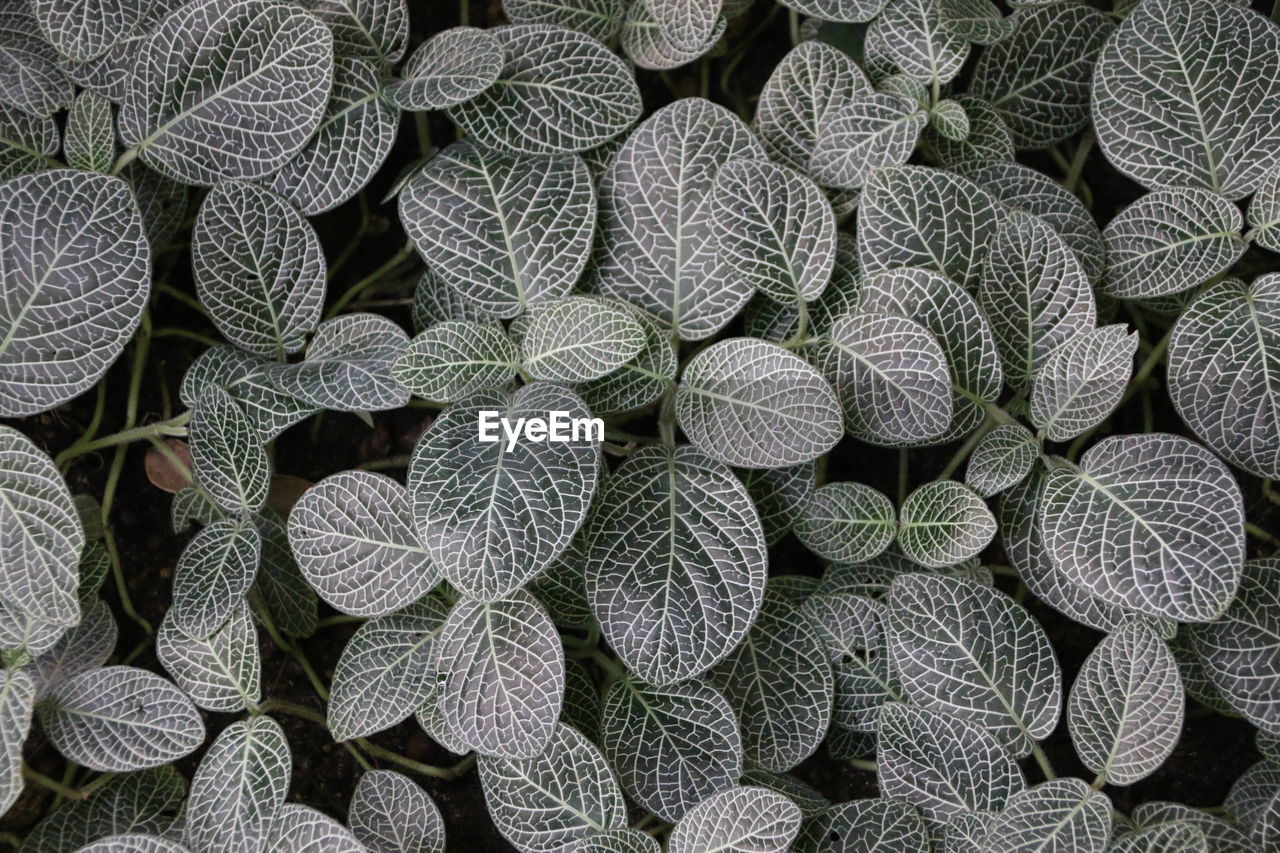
x,y
1150,522
1224,372
85,646
1058,816
302,829
244,376
865,133
452,66
17,702
133,843
503,230
227,453
435,301
368,29
222,673
581,708
914,38
353,537
969,650
1125,710
348,366
579,338
599,19
658,248
778,322
966,833
978,21
1169,241
672,747
227,89
1263,214
258,268
239,788
647,43
26,142
494,513
503,675
1154,83
949,120
743,818
943,523
942,764
455,358
559,91
76,271
146,801
1223,837
809,801
119,718
875,825
386,669
847,11
1001,459
687,24
851,627
390,813
675,562
619,841
988,139
753,404
778,494
549,801
285,593
85,29
1035,292
213,574
846,522
31,75
1166,838
639,382
90,139
1038,78
1082,381
562,588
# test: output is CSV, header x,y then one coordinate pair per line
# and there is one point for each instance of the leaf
x,y
22,634
302,829
1150,522
90,141
455,358
559,92
1169,241
978,21
949,119
753,404
1222,370
238,790
81,30
657,247
912,36
31,76
942,764
775,228
390,813
434,301
144,802
988,139
918,216
812,82
619,841
1170,838
133,843
846,522
386,669
599,19
780,323
675,562
1156,76
26,142
580,338
213,574
285,593
943,523
222,673
891,376
452,66
849,11
1038,78
778,494
258,267
1035,292
503,670
348,366
85,646
646,43
1058,816
966,649
875,825
807,799
967,833
1002,459
503,230
554,799
672,747
17,700
1236,648
687,24
581,707
367,29
737,819
62,328
851,627
40,534
1263,213
1082,381
1223,836
639,382
118,718
244,376
228,459
353,537
867,132
533,495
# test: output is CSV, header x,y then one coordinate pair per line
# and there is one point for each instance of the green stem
x,y
447,773
1076,168
965,449
174,332
185,298
1098,781
401,461
12,840
129,155
405,253
667,417
794,18
1043,760
863,764
423,127
52,784
1258,533
174,427
340,619
354,243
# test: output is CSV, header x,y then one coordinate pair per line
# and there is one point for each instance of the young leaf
x,y
503,671
1058,816
119,718
851,626
1082,381
1223,370
639,382
536,492
90,141
978,21
285,593
368,29
353,537
62,328
646,42
455,358
1150,522
672,747
875,825
389,813
222,673
1001,459
675,563
227,454
846,522
244,376
504,230
227,89
969,650
558,92
84,29
987,141
1224,836
213,574
1168,838
912,36
943,523
17,701
258,268
452,66
867,132
553,799
348,366
753,404
1167,61
687,24
239,788
806,798
742,818
580,338
1263,213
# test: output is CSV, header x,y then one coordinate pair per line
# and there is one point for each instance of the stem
x,y
359,287
12,840
1043,760
188,334
1258,533
794,18
1099,781
667,417
863,764
1076,169
340,619
401,461
129,155
967,448
447,773
288,648
175,427
54,785
185,298
354,244
421,124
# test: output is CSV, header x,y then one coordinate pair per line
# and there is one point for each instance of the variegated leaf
x,y
239,788
90,139
389,813
1001,459
17,702
227,453
32,78
368,29
846,522
455,358
867,132
1058,816
943,523
142,802
875,825
1081,382
743,818
213,574
348,366
579,338
222,673
302,829
26,142
452,66
912,36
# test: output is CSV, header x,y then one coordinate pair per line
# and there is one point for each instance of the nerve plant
x,y
860,261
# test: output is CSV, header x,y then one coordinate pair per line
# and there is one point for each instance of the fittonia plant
x,y
912,237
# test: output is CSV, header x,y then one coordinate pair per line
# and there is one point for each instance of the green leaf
x,y
368,29
213,574
988,139
943,523
455,358
580,338
867,132
389,813
26,142
778,494
239,788
85,29
642,380
221,673
875,825
32,78
147,802
90,139
846,522
245,377
227,456
599,19
1082,381
348,366
914,38
302,829
1001,459
85,646
1058,816
17,701
451,67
